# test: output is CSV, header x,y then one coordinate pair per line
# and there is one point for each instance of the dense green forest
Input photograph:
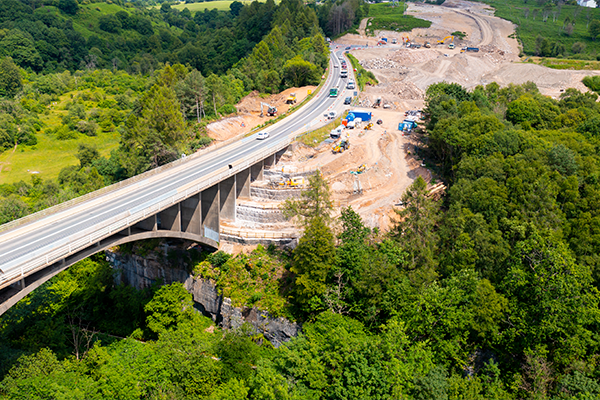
x,y
491,292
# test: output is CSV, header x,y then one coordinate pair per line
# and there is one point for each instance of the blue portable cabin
x,y
407,125
363,115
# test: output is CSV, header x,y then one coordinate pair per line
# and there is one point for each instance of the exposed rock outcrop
x,y
142,272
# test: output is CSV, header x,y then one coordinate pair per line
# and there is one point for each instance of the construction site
x,y
379,161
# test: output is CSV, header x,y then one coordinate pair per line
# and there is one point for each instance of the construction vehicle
x,y
341,147
291,99
451,46
369,126
463,49
427,45
360,170
394,41
333,92
377,102
293,182
271,111
444,39
473,49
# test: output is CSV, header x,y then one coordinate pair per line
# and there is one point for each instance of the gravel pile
x,y
379,63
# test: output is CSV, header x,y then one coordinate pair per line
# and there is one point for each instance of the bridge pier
x,y
242,184
256,171
149,224
210,212
191,215
170,219
270,161
227,192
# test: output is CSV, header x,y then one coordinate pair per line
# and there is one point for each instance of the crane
x,y
271,111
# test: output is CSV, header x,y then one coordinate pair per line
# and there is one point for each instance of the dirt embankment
x,y
404,75
249,110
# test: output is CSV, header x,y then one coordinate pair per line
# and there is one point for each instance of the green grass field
x,y
221,5
50,155
529,16
387,17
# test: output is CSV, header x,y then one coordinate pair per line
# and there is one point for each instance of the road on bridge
x,y
37,239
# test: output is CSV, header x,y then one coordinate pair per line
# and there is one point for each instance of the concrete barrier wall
x,y
259,215
274,194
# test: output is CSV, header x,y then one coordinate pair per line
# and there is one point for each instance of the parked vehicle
x,y
341,147
291,99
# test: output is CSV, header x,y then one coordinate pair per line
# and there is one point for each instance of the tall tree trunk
x,y
197,110
214,104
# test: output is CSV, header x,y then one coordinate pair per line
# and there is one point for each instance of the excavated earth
x,y
404,75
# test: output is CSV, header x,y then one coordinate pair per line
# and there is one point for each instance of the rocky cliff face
x,y
142,272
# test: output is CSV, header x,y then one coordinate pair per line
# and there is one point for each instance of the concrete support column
x,y
280,153
242,184
210,212
149,224
191,215
227,191
256,171
170,219
270,161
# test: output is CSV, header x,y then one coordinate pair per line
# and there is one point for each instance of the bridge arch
x,y
11,295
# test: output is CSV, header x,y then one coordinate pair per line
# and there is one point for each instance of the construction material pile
x,y
379,63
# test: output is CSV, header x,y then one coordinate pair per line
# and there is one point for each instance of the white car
x,y
262,135
330,115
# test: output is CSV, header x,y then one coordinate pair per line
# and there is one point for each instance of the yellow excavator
x,y
369,126
444,39
341,147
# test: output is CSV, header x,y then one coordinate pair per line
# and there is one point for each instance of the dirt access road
x,y
405,74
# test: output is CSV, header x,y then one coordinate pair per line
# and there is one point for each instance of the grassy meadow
x,y
385,16
221,5
553,23
50,155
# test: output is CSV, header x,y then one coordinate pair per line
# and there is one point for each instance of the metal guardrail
x,y
127,218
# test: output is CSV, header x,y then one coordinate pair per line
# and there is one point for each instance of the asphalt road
x,y
22,244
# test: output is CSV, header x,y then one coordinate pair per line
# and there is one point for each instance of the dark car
x,y
348,100
348,48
